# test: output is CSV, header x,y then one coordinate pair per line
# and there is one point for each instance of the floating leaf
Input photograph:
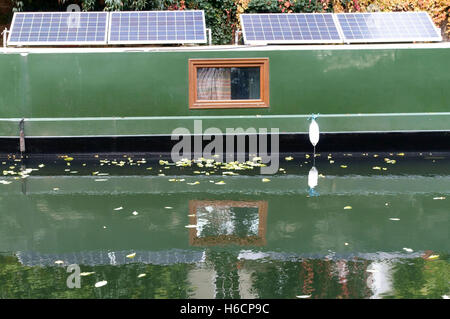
x,y
194,183
344,166
131,255
432,257
439,198
118,208
168,207
135,213
220,183
265,180
376,167
68,159
394,218
348,207
83,274
142,275
303,296
5,182
191,226
289,158
100,284
409,250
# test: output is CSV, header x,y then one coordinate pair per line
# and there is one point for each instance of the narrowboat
x,y
118,93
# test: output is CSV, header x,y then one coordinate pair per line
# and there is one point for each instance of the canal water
x,y
138,226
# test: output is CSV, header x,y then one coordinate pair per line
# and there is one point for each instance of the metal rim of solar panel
x,y
435,36
167,41
104,34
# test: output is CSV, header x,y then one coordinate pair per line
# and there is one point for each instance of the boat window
x,y
228,83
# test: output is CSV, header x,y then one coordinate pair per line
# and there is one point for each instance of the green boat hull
x,y
100,92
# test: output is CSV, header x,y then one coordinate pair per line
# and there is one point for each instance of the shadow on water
x,y
376,227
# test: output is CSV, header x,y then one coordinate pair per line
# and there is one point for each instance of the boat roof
x,y
224,48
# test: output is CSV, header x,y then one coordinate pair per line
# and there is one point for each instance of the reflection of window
x,y
228,222
229,83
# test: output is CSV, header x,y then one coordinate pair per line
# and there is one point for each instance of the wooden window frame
x,y
259,240
262,102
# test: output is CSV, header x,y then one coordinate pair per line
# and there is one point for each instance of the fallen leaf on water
x,y
289,158
191,226
168,207
220,183
100,283
131,255
142,275
41,165
265,180
194,183
68,159
135,213
191,215
87,273
394,218
348,207
346,244
303,296
376,167
100,180
432,257
439,198
344,166
5,182
118,208
409,250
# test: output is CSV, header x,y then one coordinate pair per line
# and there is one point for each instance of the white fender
x,y
314,132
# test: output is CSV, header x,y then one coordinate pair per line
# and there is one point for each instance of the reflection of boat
x,y
281,184
76,213
228,222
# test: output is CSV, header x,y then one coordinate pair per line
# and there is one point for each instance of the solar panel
x,y
157,27
388,27
290,28
58,28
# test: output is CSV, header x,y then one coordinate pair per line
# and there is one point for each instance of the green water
x,y
377,228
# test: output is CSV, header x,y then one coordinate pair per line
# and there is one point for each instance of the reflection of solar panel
x,y
157,27
290,28
58,28
388,27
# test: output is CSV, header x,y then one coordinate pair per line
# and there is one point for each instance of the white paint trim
x,y
230,48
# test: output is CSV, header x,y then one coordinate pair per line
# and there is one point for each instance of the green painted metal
x,y
146,93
